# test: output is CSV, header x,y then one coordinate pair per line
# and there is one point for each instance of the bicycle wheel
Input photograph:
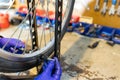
x,y
11,62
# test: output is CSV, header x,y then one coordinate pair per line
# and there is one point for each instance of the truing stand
x,y
58,24
32,22
34,35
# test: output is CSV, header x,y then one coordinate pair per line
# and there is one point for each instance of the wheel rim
x,y
32,57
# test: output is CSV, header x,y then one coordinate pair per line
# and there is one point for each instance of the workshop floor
x,y
81,63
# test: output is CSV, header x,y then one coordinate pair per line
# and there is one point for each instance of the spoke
x,y
44,33
44,23
41,38
18,41
10,38
43,26
48,1
26,42
10,6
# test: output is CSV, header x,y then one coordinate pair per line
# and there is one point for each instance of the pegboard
x,y
106,20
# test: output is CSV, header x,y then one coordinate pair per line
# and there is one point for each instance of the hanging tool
x,y
104,9
97,5
118,10
112,9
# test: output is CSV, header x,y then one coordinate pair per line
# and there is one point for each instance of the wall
x,y
81,6
107,20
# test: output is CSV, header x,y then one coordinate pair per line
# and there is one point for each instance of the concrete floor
x,y
81,63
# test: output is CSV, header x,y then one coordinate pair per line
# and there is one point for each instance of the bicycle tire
x,y
7,65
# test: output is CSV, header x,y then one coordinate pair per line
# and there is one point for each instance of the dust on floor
x,y
82,63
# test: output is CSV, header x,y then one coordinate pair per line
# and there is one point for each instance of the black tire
x,y
15,21
7,65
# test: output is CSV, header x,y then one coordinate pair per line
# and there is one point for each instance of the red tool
x,y
42,13
4,20
74,19
23,9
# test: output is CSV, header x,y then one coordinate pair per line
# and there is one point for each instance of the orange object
x,y
42,13
51,17
51,13
23,9
74,19
4,20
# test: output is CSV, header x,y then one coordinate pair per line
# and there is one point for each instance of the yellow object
x,y
19,3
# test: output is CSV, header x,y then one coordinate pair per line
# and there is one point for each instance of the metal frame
x,y
58,24
32,23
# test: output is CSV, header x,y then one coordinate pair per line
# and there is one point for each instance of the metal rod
x,y
58,24
33,29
